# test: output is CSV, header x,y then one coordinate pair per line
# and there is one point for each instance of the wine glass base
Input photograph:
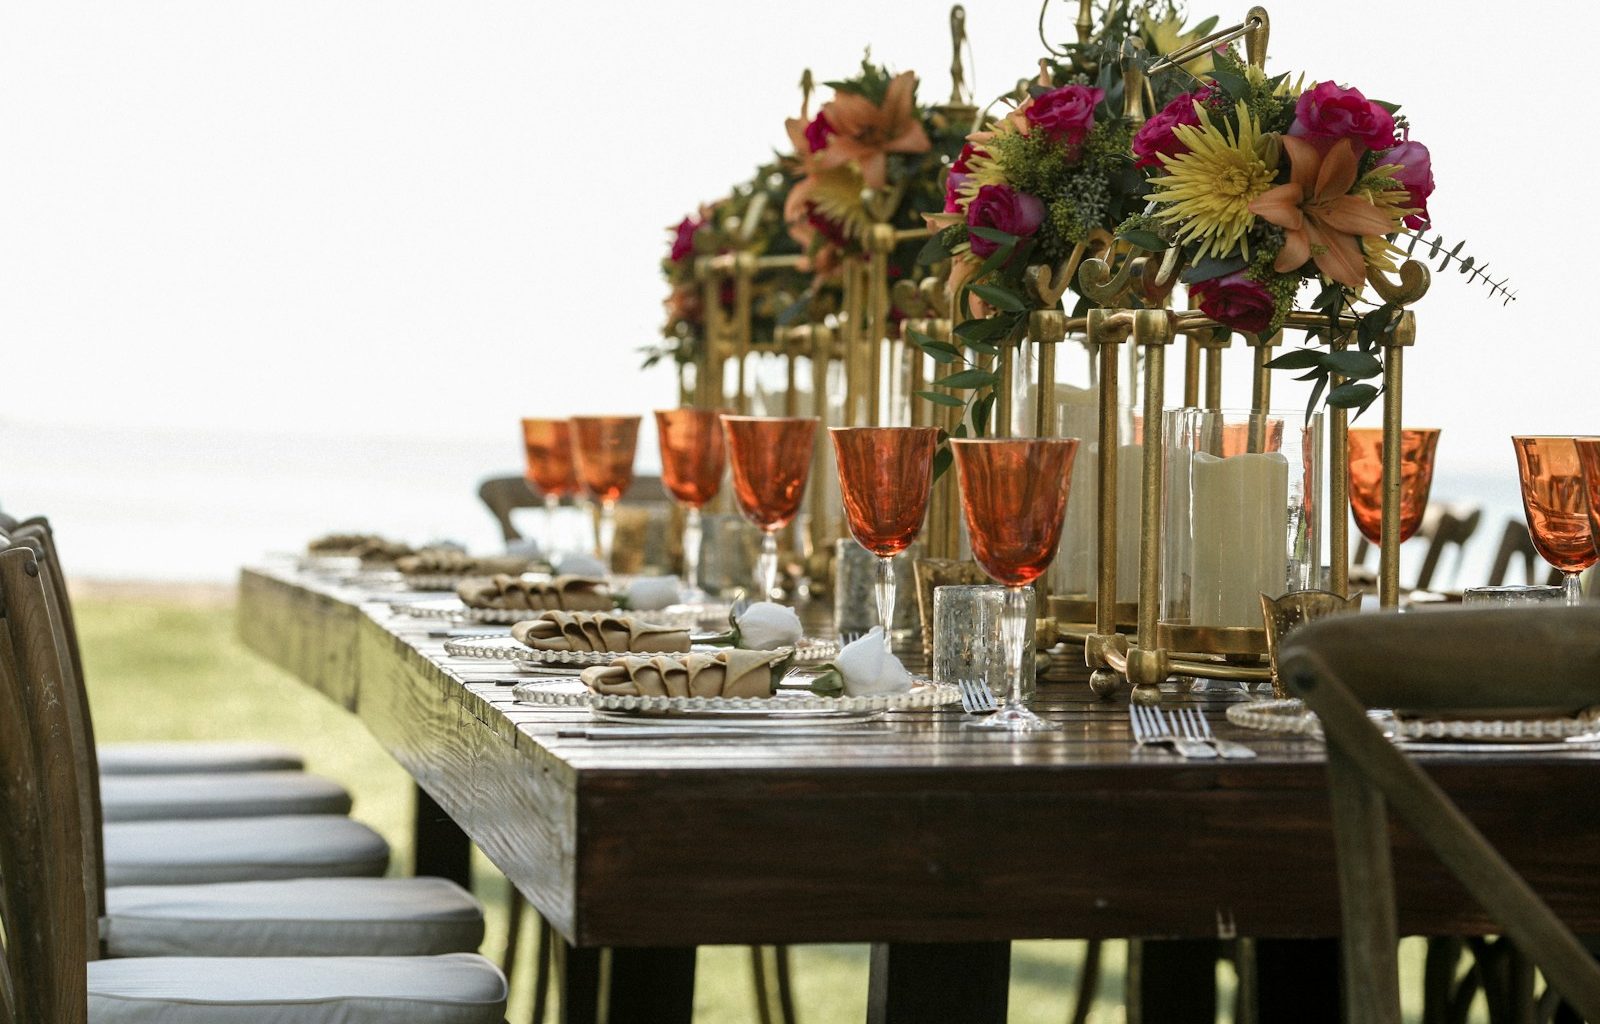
x,y
1012,720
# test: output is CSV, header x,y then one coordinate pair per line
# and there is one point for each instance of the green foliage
x,y
1466,265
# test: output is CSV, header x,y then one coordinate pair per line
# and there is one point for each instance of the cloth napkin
x,y
444,561
512,593
598,631
730,673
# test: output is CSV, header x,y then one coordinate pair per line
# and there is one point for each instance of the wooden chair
x,y
1445,526
48,918
501,495
1516,543
1491,659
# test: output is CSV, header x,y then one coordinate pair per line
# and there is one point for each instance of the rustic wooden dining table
x,y
935,843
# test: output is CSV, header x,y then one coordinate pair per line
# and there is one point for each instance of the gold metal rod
x,y
821,356
741,332
1389,549
1104,344
1000,424
1339,487
850,329
1191,372
1213,376
918,373
1044,418
791,383
1184,54
1150,488
876,324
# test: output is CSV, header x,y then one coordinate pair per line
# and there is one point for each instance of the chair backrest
x,y
1515,542
36,535
1482,659
1453,527
502,494
49,927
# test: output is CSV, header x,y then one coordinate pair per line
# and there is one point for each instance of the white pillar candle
x,y
1240,536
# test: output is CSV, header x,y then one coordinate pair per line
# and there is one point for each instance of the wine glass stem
x,y
1572,587
552,505
1014,634
608,530
767,566
885,589
691,550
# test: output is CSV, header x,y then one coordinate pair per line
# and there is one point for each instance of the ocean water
x,y
145,504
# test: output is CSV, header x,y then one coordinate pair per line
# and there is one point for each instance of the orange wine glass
x,y
885,477
771,459
692,461
1013,497
606,446
1417,448
548,446
1554,499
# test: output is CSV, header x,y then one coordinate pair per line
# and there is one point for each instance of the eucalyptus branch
x,y
1466,265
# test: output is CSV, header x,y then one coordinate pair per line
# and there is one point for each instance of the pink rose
x,y
960,174
683,238
1327,113
1157,138
1416,174
1235,301
818,132
1065,114
1001,208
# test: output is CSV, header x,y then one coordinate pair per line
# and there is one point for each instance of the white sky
x,y
407,218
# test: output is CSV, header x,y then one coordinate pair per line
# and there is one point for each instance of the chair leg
x,y
1439,978
1088,982
544,959
780,956
1366,893
758,975
514,905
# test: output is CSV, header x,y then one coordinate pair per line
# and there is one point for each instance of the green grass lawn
x,y
170,668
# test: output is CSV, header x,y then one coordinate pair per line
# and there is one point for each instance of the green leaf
x,y
1297,359
933,250
994,235
938,351
941,461
1149,241
968,379
1204,28
1393,108
1233,83
1000,298
1211,268
940,398
988,329
1350,396
981,410
1316,393
1359,365
984,348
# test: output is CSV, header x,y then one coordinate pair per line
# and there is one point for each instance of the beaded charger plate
x,y
789,705
809,650
452,609
1556,732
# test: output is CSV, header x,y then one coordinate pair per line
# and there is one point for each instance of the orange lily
x,y
866,133
1322,221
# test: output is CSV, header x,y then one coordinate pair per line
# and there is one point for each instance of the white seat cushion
x,y
229,795
304,917
241,850
459,989
189,756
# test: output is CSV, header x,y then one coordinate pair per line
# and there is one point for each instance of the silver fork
x,y
1151,727
976,697
1196,727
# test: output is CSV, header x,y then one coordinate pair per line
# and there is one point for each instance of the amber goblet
x,y
548,447
1013,497
1417,449
606,446
692,461
885,478
1554,499
771,459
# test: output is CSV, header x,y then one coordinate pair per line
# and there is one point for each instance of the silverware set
x,y
976,697
1185,731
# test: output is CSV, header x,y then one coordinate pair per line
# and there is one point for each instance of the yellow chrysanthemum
x,y
1381,189
836,193
1206,193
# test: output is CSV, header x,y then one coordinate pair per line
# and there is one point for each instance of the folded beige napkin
x,y
450,562
511,593
729,673
365,546
598,631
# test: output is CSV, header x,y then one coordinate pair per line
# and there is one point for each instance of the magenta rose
x,y
818,132
1001,208
1235,301
1157,138
1065,114
1416,174
1327,113
683,239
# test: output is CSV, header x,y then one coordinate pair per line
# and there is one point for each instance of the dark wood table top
x,y
909,828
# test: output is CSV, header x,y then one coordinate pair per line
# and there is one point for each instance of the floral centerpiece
x,y
1265,185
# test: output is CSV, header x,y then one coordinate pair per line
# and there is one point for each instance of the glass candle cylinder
x,y
966,637
1240,517
1511,596
855,608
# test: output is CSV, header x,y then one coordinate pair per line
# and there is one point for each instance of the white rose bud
x,y
765,626
867,667
652,593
